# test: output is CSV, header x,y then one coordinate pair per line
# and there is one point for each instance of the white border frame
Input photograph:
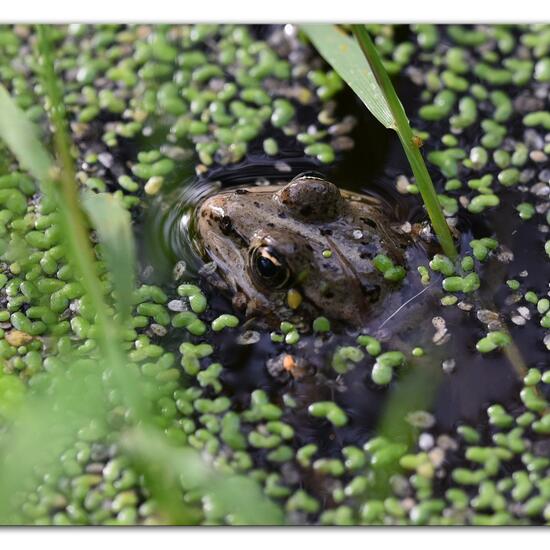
x,y
275,11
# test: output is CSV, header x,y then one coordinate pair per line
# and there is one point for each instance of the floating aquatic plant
x,y
494,472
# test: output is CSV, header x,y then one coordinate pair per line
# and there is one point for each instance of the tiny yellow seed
x,y
153,185
294,298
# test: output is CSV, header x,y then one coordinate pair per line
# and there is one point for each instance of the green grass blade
x,y
75,230
344,55
359,64
21,136
46,423
235,496
410,145
114,227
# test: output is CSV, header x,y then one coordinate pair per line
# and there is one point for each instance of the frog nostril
x,y
305,211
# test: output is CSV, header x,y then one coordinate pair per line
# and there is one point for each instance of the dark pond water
x,y
371,167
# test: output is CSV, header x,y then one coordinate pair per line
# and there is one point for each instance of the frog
x,y
300,249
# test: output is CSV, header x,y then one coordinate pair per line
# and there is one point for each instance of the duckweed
x,y
329,410
321,324
224,321
466,106
480,202
440,108
345,357
382,371
292,337
371,344
197,300
443,264
424,274
466,284
271,147
447,160
508,177
391,359
482,247
189,321
492,341
300,500
526,210
382,374
501,466
391,272
539,118
305,454
467,263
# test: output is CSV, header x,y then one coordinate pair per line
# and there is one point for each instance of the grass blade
x,y
344,55
46,423
410,145
75,230
359,64
113,225
236,497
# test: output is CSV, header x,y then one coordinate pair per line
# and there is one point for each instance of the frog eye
x,y
268,268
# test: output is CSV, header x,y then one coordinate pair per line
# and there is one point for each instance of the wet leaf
x,y
343,53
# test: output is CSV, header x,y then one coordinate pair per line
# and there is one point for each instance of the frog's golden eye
x,y
268,268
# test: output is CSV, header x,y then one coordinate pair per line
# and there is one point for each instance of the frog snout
x,y
310,198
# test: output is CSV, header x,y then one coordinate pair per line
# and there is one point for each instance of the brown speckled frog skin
x,y
307,239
